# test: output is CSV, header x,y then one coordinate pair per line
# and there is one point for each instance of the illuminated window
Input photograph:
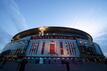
x,y
34,48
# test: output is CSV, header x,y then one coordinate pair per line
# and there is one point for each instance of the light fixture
x,y
42,29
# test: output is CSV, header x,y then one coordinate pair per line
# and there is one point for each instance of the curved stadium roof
x,y
64,30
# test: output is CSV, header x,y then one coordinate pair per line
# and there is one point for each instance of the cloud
x,y
4,38
15,15
101,40
10,19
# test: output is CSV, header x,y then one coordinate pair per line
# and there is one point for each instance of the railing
x,y
53,59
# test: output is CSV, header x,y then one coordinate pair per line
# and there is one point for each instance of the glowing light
x,y
42,29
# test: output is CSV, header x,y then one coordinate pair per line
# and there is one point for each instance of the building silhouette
x,y
52,49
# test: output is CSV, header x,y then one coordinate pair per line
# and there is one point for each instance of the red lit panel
x,y
52,48
62,51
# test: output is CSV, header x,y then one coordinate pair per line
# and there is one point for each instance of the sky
x,y
87,15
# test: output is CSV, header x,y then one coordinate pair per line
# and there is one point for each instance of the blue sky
x,y
86,15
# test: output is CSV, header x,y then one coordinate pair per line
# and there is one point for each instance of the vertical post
x,y
22,65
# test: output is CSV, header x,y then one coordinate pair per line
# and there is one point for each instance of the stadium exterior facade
x,y
52,48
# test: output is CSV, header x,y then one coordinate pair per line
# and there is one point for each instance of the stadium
x,y
52,49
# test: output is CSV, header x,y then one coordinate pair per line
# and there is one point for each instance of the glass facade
x,y
64,46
